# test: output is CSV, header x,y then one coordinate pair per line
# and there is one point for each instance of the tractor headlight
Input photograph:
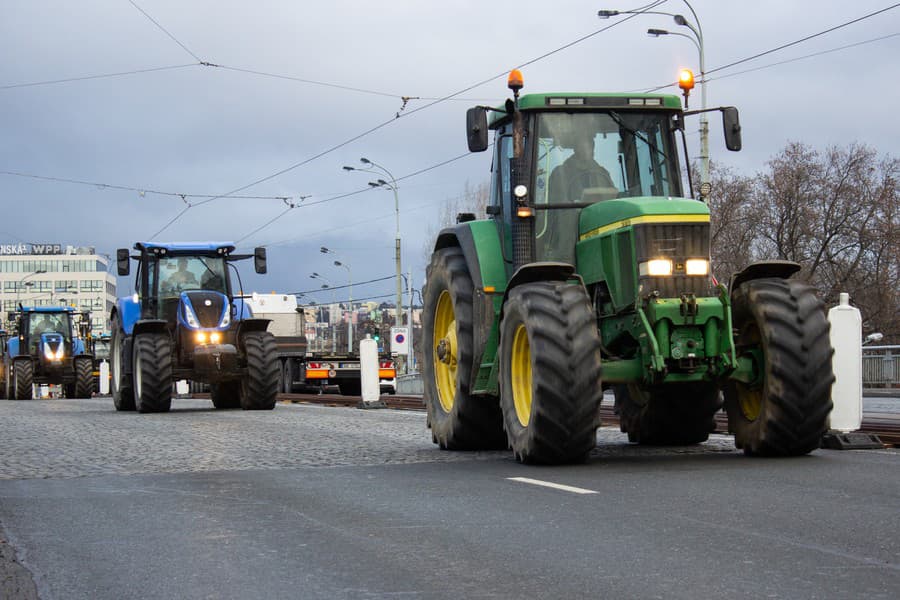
x,y
696,266
190,317
226,320
200,337
658,267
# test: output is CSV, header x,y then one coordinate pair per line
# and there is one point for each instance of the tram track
x,y
885,426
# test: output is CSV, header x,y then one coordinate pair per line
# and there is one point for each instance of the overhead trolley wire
x,y
164,30
788,45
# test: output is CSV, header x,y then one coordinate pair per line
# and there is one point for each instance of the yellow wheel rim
x,y
750,401
444,351
520,375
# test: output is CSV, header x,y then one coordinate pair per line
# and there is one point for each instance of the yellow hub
x,y
520,375
444,351
750,400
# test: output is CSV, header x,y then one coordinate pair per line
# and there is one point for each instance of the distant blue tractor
x,y
183,322
44,349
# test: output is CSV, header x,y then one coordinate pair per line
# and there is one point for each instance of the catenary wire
x,y
164,30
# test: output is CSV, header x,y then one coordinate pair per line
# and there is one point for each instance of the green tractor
x,y
592,272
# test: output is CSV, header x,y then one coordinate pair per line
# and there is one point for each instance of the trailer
x,y
302,369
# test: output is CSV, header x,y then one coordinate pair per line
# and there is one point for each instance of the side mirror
x,y
732,124
123,261
477,129
10,316
259,259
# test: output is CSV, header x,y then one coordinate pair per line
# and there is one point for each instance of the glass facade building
x,y
57,275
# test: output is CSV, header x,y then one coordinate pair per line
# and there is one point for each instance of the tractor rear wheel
x,y
84,378
122,390
458,419
226,394
672,415
259,387
23,376
152,372
781,325
550,388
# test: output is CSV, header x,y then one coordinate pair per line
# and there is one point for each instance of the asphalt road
x,y
318,502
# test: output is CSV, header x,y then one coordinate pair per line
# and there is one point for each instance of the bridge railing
x,y
881,367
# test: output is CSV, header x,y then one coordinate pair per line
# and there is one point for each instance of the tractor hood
x,y
609,215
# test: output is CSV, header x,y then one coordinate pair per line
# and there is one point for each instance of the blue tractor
x,y
45,349
184,322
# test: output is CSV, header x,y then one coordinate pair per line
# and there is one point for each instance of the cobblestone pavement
x,y
78,438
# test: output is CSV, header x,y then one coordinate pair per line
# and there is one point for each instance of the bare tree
x,y
836,213
474,199
733,223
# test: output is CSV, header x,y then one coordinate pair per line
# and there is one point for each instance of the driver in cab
x,y
579,172
181,279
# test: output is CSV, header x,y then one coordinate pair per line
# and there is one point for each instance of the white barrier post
x,y
368,374
846,339
846,392
104,378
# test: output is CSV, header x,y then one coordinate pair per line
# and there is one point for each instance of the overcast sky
x,y
202,130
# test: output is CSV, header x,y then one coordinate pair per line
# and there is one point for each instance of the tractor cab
x,y
557,154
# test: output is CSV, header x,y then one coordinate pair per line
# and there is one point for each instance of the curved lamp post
x,y
697,39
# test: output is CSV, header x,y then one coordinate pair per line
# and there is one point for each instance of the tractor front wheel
x,y
23,375
84,378
259,387
458,419
152,372
122,390
781,326
550,388
672,415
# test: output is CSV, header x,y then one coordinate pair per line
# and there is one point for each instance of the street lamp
x,y
338,263
22,283
373,167
697,40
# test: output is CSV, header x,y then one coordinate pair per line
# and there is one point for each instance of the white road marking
x,y
555,486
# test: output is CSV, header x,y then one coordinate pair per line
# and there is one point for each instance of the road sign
x,y
399,340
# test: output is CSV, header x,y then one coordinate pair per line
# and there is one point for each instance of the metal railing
x,y
881,367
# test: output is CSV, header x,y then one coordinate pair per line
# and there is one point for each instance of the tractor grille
x,y
677,241
207,306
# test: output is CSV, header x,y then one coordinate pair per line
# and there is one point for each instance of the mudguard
x,y
129,311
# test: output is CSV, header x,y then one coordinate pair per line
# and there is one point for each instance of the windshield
x,y
590,157
181,273
49,323
584,157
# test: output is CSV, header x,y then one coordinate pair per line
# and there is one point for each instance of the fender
x,y
540,271
129,312
250,325
782,269
150,326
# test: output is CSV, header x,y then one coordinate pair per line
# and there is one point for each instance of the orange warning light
x,y
515,80
686,79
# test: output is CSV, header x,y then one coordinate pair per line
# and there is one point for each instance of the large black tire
x,y
226,394
458,419
782,323
550,388
23,377
121,383
152,372
672,415
84,378
259,388
287,376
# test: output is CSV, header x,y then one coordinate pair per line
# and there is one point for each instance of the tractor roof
x,y
48,309
573,101
186,248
